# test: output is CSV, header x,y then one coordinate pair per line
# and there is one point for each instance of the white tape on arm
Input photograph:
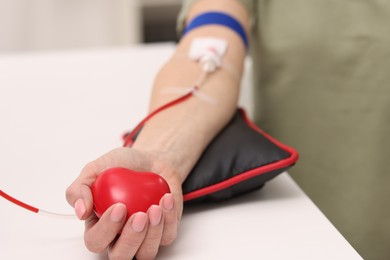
x,y
208,51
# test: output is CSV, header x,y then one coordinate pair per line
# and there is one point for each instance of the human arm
x,y
169,144
197,121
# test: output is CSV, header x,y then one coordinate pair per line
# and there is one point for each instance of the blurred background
x,y
40,25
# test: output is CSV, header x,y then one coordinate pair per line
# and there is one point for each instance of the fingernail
x,y
118,213
139,222
168,201
155,214
79,207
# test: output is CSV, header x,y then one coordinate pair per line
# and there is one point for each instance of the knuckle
x,y
168,239
134,243
89,167
92,245
114,255
154,236
106,231
146,255
69,193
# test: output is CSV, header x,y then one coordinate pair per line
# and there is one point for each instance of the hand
x,y
143,233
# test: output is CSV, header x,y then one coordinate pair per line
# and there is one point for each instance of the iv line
x,y
34,209
210,60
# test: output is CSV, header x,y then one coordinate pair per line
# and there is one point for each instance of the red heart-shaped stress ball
x,y
137,190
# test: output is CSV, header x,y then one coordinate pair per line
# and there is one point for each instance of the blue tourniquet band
x,y
219,19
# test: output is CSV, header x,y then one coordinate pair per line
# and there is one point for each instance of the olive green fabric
x,y
322,84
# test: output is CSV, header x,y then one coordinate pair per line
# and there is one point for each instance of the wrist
x,y
166,164
175,142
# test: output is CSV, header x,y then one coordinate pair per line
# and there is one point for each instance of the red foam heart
x,y
137,190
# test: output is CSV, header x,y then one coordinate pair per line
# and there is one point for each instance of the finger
x,y
100,233
120,157
151,243
133,234
171,220
79,196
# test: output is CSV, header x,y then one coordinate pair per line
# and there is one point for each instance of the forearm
x,y
179,134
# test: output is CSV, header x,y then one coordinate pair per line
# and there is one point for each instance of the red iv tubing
x,y
127,142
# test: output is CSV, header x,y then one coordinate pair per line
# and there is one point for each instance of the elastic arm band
x,y
219,19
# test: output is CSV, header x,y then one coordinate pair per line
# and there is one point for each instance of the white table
x,y
61,110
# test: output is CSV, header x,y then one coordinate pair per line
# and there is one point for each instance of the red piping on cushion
x,y
251,173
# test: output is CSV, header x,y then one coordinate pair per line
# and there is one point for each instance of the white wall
x,y
29,25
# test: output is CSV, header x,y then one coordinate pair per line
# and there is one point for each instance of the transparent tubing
x,y
56,215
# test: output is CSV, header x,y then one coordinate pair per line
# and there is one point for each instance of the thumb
x,y
79,193
79,196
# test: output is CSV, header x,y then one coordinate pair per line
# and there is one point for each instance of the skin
x,y
162,146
